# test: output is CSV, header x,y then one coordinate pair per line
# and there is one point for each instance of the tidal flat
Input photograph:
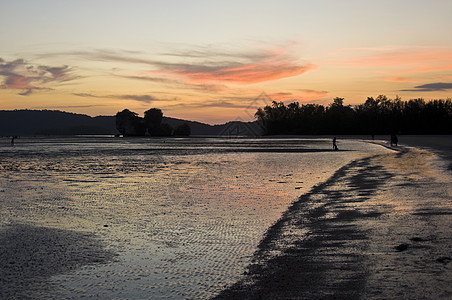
x,y
202,218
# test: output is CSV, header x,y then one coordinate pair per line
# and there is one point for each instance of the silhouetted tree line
x,y
375,116
129,123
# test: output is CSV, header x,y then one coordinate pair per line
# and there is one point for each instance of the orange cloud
x,y
420,56
248,73
437,68
299,95
400,79
416,60
244,69
396,79
314,95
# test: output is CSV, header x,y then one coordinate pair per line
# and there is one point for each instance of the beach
x,y
370,224
379,228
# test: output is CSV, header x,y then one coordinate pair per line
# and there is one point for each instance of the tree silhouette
x,y
129,124
164,129
182,130
375,116
153,119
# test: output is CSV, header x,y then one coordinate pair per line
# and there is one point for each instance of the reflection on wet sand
x,y
30,255
185,219
184,224
378,229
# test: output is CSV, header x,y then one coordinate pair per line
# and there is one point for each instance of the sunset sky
x,y
210,60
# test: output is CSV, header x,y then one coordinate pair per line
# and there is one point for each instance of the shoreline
x,y
169,220
377,229
338,240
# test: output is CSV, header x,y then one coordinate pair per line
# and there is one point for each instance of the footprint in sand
x,y
417,239
444,260
401,247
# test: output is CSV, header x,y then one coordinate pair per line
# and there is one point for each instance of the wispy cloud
x,y
151,79
140,98
249,102
397,79
313,93
400,79
299,95
204,65
438,68
204,87
432,87
224,103
257,69
104,55
400,64
19,74
26,92
86,95
420,59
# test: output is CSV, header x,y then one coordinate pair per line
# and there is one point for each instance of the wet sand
x,y
379,228
182,226
30,255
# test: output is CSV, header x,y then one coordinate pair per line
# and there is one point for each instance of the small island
x,y
128,123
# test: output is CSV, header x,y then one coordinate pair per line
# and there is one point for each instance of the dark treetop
x,y
374,116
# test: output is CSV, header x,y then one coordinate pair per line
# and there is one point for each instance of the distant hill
x,y
49,122
233,128
52,122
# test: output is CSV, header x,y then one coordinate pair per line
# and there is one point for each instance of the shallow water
x,y
183,215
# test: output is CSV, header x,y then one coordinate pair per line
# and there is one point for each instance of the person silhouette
x,y
334,144
12,140
394,140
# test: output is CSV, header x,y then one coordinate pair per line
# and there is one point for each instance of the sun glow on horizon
x,y
206,68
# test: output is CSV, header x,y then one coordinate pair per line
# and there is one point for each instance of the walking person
x,y
335,148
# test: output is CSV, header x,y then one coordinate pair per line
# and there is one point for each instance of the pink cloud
x,y
400,79
396,79
19,74
313,95
407,56
18,82
416,60
436,68
245,69
299,95
248,73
